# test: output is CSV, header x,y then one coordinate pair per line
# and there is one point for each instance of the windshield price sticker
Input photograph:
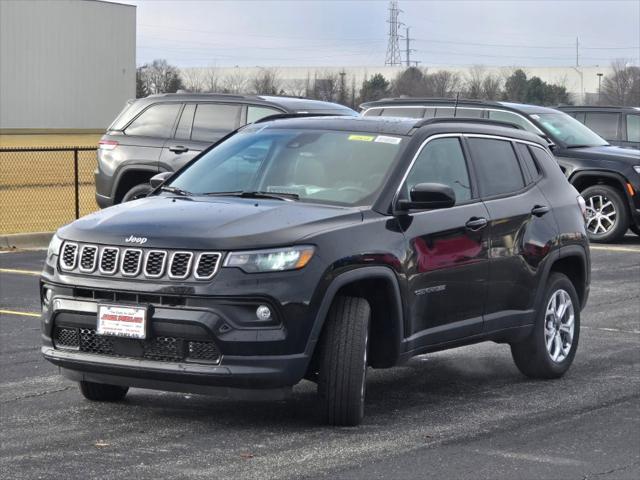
x,y
122,321
385,139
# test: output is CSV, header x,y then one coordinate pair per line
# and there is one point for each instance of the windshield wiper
x,y
175,190
242,194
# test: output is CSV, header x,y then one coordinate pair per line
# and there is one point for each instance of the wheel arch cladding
x,y
379,286
573,266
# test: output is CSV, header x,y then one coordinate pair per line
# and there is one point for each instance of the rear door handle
x,y
178,149
539,210
476,223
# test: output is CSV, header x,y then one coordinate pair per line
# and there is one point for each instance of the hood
x,y
605,152
208,223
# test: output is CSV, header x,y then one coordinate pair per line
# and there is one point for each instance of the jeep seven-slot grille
x,y
159,349
139,262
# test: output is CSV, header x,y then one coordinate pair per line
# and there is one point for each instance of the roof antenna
x,y
455,107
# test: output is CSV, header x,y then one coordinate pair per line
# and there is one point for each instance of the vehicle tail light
x,y
583,207
107,144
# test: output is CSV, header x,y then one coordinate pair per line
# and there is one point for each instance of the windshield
x,y
336,167
568,130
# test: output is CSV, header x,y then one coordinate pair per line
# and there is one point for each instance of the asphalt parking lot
x,y
464,414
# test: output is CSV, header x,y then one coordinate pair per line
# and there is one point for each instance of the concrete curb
x,y
25,240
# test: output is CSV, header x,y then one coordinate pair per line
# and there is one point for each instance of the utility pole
x,y
393,47
577,53
409,49
599,87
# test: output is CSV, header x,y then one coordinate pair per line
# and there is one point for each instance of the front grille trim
x,y
63,264
187,270
162,266
215,269
138,265
115,260
95,258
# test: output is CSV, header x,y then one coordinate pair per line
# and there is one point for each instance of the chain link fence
x,y
44,188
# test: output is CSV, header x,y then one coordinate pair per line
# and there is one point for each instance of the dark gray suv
x,y
160,133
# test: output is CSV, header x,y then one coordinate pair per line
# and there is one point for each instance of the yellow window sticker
x,y
362,138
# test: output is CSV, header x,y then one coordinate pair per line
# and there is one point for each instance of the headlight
x,y
54,246
273,260
637,169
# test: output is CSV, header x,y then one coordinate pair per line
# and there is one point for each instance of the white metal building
x,y
65,64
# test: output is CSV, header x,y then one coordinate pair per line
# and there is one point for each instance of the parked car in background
x,y
315,248
608,177
161,133
617,125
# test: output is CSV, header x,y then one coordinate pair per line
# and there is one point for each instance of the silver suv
x,y
161,133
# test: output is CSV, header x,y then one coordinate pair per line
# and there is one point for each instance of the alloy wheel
x,y
559,326
601,214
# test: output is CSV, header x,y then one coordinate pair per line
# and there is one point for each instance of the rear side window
x,y
468,113
604,124
510,117
403,112
532,172
497,166
442,161
155,121
183,131
633,128
213,118
256,113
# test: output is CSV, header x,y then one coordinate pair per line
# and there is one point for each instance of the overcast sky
x,y
345,33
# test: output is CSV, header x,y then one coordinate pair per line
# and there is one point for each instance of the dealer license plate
x,y
122,321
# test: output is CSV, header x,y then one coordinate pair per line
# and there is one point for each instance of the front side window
x,y
604,124
633,128
441,161
212,118
322,166
561,127
155,121
496,165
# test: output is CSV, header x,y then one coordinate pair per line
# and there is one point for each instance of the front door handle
x,y
539,210
476,223
178,149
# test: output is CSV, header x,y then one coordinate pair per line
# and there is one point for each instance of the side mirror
x,y
159,179
550,143
429,196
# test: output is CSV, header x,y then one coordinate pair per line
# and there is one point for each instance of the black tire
x,y
621,219
101,392
531,355
635,229
139,191
343,362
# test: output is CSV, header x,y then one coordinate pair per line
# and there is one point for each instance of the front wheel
x,y
139,191
550,348
343,362
607,218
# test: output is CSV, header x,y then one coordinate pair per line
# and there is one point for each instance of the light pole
x,y
599,87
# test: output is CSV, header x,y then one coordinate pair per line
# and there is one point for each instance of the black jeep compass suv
x,y
608,177
315,248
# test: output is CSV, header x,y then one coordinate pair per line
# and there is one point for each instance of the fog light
x,y
263,313
47,295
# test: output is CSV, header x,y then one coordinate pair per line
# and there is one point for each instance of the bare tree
x,y
159,77
444,83
295,87
474,81
326,86
266,82
411,82
211,80
192,79
491,87
234,83
622,87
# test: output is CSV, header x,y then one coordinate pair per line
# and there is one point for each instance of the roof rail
x,y
406,100
281,116
482,121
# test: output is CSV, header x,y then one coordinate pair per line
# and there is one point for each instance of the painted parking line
x,y
20,314
615,249
20,271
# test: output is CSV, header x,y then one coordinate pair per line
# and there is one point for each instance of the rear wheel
x,y
607,218
343,362
139,191
101,392
549,351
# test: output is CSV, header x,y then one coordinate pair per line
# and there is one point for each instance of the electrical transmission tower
x,y
393,48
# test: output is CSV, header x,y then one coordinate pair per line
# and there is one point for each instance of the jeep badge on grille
x,y
138,240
